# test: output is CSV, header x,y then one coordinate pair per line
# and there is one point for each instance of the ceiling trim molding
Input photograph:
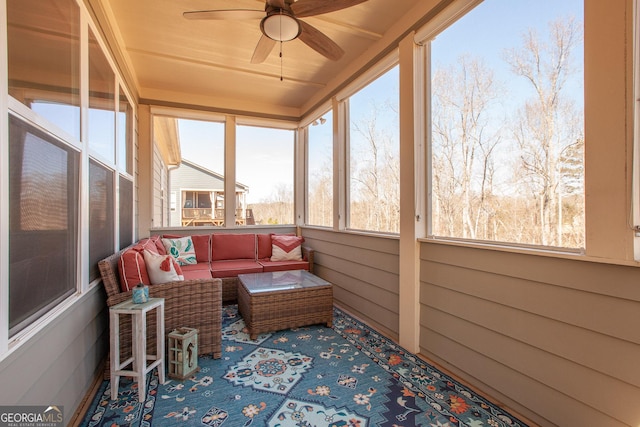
x,y
226,111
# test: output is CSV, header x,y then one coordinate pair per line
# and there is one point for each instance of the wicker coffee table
x,y
283,299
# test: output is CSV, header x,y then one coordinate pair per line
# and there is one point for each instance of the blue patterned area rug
x,y
348,375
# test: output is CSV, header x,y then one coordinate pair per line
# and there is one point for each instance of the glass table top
x,y
280,281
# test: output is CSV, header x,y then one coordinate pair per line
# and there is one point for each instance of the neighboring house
x,y
197,196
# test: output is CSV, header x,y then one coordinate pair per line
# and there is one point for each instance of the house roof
x,y
175,61
211,173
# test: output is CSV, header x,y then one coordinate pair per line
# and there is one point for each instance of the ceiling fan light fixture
x,y
281,27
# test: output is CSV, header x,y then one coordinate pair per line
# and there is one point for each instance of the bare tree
x,y
320,203
547,126
375,177
463,148
277,208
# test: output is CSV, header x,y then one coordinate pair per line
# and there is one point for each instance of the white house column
x,y
412,216
230,172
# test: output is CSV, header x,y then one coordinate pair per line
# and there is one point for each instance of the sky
x,y
496,25
267,153
489,29
264,155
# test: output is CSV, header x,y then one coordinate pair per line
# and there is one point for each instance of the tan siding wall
x,y
559,337
364,272
59,364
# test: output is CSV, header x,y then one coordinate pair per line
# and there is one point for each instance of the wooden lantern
x,y
183,353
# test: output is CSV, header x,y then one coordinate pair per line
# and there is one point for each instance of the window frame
x,y
79,144
423,38
304,135
342,115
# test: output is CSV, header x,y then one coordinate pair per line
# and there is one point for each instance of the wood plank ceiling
x,y
208,62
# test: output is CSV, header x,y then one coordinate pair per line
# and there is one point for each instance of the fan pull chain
x,y
281,78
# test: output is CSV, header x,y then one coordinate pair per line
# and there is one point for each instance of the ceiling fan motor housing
x,y
280,25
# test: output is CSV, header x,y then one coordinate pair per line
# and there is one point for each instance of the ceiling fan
x,y
280,23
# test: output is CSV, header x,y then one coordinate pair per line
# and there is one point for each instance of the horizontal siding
x,y
186,177
59,364
364,272
526,325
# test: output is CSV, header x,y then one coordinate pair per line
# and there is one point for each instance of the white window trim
x,y
4,191
303,136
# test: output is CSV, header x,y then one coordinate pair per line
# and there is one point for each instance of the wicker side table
x,y
139,367
284,299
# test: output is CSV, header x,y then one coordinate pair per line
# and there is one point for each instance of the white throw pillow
x,y
181,249
161,268
286,248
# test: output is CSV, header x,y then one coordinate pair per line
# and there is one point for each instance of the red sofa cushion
x,y
131,265
264,246
133,270
233,247
231,268
202,246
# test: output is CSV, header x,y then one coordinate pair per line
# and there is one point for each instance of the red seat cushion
x,y
201,266
284,265
196,274
231,268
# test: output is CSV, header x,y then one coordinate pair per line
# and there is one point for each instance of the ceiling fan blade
x,y
319,42
303,8
263,49
225,14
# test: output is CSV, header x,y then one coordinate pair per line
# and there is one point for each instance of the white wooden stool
x,y
139,358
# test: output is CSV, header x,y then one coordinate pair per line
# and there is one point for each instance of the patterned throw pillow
x,y
286,248
162,268
181,249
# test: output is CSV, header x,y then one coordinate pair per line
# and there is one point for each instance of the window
x,y
102,103
507,129
126,212
199,180
320,171
43,217
374,156
101,220
44,156
264,173
44,59
125,138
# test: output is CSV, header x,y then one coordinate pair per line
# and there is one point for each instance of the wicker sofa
x,y
196,301
193,303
